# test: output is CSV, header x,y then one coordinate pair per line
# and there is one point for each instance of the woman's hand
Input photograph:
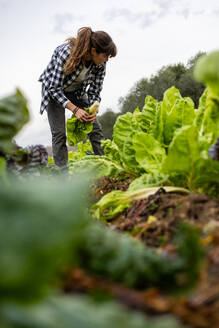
x,y
91,118
83,116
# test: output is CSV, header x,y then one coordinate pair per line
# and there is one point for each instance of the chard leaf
x,y
111,150
148,180
183,151
207,176
181,114
114,203
128,157
96,166
176,113
82,149
148,152
123,129
207,119
110,205
146,119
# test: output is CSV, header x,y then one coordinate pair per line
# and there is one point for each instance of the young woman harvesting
x,y
73,79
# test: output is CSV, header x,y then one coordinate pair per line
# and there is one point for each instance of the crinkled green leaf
x,y
207,119
176,113
111,150
183,151
82,148
148,152
128,157
148,180
181,114
150,117
207,176
96,166
77,131
123,129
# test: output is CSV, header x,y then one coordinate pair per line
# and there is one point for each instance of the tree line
x,y
178,75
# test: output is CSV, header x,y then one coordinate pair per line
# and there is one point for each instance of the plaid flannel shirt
x,y
54,80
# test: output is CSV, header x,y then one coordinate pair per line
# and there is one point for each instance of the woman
x,y
73,79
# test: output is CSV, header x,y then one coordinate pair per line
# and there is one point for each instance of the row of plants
x,y
165,144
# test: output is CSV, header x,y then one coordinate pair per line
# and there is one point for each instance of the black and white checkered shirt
x,y
55,81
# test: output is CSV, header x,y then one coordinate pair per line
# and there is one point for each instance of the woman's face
x,y
98,59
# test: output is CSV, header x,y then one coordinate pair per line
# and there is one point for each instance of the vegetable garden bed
x,y
153,221
138,236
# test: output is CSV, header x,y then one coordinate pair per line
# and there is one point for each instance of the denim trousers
x,y
56,118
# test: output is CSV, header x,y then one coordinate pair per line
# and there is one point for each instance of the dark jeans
x,y
56,117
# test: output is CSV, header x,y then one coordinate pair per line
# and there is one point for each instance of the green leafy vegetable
x,y
124,259
148,152
96,166
183,153
148,180
113,203
111,151
82,149
13,115
77,131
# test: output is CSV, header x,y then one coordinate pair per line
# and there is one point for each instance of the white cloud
x,y
63,22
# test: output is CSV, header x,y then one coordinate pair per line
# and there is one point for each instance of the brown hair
x,y
81,47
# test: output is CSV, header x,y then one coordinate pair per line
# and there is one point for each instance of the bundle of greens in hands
x,y
77,131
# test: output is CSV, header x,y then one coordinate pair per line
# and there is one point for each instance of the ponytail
x,y
81,47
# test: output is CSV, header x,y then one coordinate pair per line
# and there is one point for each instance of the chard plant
x,y
167,142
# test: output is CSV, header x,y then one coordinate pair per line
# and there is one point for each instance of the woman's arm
x,y
97,85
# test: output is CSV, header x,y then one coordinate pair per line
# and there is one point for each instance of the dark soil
x,y
105,185
154,220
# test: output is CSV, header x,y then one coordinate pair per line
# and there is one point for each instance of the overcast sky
x,y
149,34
